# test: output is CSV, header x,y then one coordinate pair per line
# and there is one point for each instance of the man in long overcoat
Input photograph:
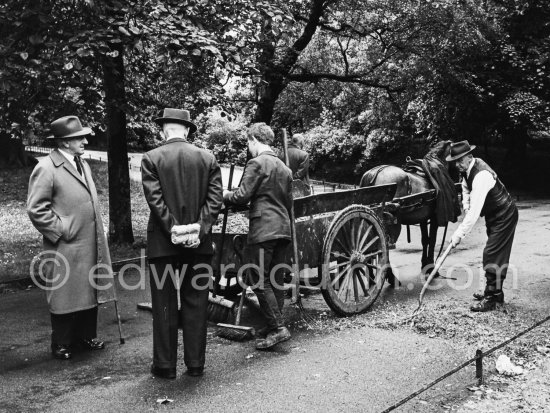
x,y
63,206
183,187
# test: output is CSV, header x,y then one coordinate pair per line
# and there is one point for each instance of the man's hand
x,y
455,240
186,235
194,244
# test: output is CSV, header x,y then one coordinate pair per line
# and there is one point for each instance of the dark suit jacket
x,y
182,185
266,183
299,163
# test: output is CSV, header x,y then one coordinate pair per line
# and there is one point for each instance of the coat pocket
x,y
67,230
254,214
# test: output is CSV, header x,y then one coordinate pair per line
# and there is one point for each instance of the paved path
x,y
354,370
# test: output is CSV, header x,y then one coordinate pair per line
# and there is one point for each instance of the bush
x,y
224,136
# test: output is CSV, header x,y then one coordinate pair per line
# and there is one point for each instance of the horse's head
x,y
441,150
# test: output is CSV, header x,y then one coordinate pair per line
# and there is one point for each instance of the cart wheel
x,y
355,260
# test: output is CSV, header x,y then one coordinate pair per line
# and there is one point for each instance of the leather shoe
x,y
488,303
195,371
274,337
61,352
163,372
480,296
91,344
263,332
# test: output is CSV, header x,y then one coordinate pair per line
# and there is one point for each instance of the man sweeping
x,y
484,195
266,184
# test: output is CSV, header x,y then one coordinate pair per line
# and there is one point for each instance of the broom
x,y
236,332
219,308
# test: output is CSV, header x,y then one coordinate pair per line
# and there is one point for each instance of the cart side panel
x,y
336,201
232,258
310,236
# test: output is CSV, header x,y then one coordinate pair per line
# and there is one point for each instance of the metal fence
x,y
478,359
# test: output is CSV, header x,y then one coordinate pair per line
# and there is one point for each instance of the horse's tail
x,y
369,177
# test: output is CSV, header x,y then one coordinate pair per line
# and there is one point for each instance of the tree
x,y
61,50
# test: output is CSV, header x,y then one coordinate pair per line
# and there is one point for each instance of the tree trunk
x,y
275,68
120,212
268,95
13,153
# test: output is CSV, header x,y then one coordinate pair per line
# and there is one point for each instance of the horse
x,y
409,183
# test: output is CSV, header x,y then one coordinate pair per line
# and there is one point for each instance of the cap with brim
x,y
68,127
458,150
177,116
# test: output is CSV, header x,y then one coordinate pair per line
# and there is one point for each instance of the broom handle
x,y
434,271
240,308
224,226
296,290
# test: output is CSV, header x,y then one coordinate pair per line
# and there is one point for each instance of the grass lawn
x,y
20,241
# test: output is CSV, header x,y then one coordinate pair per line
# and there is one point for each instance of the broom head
x,y
234,332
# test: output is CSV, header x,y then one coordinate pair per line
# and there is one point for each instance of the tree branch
x,y
358,78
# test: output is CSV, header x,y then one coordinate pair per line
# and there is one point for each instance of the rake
x,y
438,264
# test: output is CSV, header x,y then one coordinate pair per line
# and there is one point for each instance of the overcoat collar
x,y
172,140
268,152
58,159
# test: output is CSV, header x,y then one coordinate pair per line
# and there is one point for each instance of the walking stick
x,y
114,299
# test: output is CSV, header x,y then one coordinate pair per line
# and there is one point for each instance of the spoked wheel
x,y
355,259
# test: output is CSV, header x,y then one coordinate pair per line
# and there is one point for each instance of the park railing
x,y
478,359
325,186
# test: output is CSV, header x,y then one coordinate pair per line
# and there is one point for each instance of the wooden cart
x,y
341,237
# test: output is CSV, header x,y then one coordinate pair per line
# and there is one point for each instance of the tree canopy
x,y
366,80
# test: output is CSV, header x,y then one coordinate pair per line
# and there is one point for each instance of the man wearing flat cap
x,y
183,187
63,206
485,195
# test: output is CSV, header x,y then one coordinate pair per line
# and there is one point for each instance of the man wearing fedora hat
x,y
183,187
63,206
483,194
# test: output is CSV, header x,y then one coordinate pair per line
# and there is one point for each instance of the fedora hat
x,y
67,127
177,116
458,150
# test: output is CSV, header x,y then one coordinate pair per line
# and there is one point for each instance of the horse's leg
x,y
393,281
433,239
425,245
430,264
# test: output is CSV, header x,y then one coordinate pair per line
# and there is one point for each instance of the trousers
x,y
496,254
267,280
68,328
191,272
